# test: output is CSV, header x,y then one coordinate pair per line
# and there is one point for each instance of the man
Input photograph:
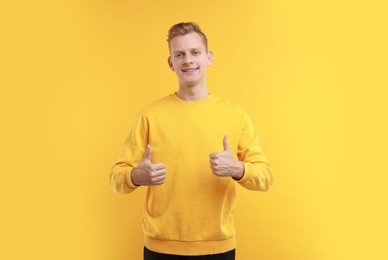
x,y
205,145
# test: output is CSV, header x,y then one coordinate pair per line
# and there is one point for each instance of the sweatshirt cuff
x,y
128,179
247,173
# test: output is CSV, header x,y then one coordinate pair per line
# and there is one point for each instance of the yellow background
x,y
312,75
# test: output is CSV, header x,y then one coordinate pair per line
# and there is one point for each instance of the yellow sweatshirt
x,y
192,212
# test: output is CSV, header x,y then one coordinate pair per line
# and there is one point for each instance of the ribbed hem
x,y
190,248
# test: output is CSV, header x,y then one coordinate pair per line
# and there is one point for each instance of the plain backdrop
x,y
311,74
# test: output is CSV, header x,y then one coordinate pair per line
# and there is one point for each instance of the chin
x,y
189,83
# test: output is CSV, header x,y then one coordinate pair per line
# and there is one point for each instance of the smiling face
x,y
189,59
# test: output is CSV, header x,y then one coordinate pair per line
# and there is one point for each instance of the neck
x,y
192,93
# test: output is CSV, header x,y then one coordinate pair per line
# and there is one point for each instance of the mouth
x,y
190,69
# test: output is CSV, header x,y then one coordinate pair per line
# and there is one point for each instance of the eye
x,y
196,52
178,55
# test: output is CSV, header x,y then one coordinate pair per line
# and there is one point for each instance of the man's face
x,y
189,59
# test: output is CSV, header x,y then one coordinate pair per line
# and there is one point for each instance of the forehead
x,y
187,42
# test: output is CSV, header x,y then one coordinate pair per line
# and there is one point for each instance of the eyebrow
x,y
192,49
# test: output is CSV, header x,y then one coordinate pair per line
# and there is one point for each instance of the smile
x,y
190,69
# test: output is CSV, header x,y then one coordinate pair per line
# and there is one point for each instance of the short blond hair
x,y
181,29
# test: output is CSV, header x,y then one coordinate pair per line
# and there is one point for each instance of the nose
x,y
187,60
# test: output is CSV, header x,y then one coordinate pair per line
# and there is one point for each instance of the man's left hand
x,y
223,164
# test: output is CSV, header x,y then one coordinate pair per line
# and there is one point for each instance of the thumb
x,y
147,155
226,144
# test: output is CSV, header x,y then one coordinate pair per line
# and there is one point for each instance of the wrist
x,y
240,171
130,176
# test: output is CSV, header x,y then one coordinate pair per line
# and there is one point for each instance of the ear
x,y
210,58
170,63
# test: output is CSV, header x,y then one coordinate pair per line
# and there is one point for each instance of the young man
x,y
205,145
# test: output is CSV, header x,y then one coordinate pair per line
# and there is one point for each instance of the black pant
x,y
150,255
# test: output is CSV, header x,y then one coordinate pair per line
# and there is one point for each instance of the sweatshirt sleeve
x,y
130,156
258,173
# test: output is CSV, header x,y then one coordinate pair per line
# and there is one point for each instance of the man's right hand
x,y
147,173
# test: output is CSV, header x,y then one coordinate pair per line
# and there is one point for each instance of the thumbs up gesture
x,y
224,164
148,173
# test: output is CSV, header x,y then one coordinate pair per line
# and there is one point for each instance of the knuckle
x,y
150,175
